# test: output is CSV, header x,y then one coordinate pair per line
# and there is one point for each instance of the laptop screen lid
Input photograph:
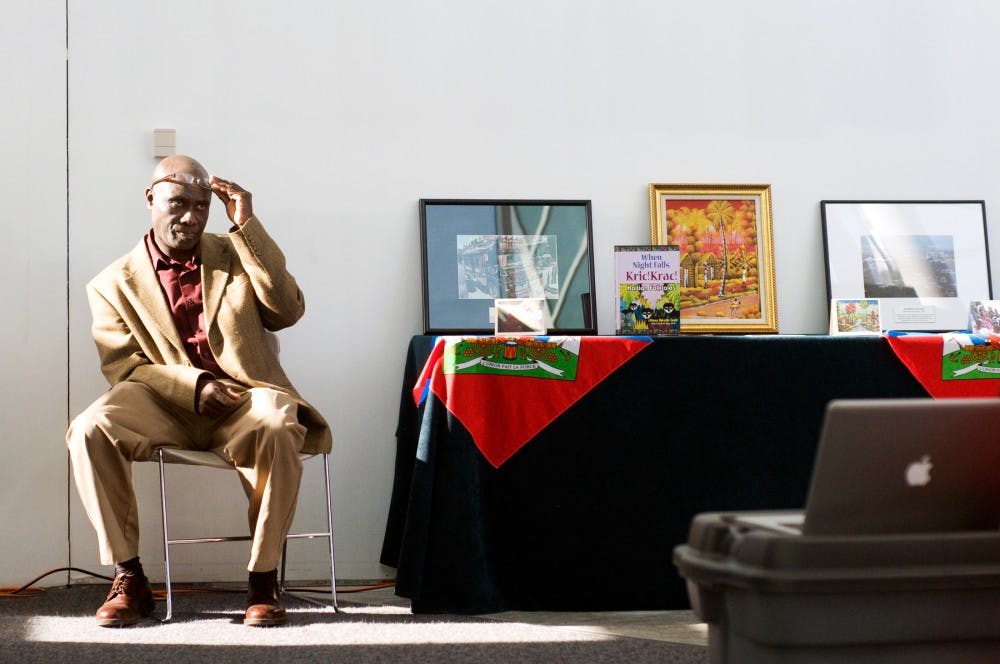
x,y
906,466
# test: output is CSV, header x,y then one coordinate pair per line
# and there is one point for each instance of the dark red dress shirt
x,y
181,284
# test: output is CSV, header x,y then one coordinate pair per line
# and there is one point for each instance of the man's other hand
x,y
216,399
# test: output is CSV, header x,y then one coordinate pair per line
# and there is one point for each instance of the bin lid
x,y
725,549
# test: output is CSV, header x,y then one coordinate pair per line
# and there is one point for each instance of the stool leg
x,y
284,557
166,539
329,530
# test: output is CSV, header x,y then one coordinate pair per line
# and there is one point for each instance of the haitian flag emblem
x,y
970,356
554,358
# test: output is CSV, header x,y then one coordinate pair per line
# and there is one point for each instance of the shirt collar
x,y
161,261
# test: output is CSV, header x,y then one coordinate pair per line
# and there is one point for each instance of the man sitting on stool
x,y
181,326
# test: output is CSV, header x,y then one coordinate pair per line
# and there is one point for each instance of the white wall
x,y
340,114
33,489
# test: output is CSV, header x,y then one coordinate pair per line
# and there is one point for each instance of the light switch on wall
x,y
164,142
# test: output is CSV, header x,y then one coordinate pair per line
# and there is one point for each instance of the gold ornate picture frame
x,y
727,254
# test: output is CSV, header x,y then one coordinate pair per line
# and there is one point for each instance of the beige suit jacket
x,y
246,291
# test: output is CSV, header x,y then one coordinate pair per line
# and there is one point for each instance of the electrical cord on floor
x,y
343,591
28,590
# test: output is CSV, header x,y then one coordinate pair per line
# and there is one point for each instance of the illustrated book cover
x,y
647,290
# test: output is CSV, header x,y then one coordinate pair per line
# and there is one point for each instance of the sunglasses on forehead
x,y
184,178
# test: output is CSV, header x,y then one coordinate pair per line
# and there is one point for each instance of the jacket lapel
x,y
216,261
146,295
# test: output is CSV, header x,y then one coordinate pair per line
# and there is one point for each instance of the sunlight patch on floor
x,y
668,626
695,634
226,630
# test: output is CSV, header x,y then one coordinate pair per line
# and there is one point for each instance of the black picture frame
x,y
474,251
924,260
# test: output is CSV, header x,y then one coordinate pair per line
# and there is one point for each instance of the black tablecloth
x,y
586,515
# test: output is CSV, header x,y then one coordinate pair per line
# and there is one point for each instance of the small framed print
x,y
518,317
984,317
924,261
855,317
725,240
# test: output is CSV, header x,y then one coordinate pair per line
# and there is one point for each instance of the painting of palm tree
x,y
724,236
718,242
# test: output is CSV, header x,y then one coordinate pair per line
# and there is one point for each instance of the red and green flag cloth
x,y
505,390
952,364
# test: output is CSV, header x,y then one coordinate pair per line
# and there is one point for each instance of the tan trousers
x,y
261,438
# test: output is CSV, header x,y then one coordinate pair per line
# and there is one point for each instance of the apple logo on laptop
x,y
918,473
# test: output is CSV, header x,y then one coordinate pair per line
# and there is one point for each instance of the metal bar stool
x,y
209,459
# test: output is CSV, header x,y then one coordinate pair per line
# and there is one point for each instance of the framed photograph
x,y
520,317
925,261
478,251
727,254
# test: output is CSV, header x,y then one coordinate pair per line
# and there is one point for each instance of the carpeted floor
x,y
58,626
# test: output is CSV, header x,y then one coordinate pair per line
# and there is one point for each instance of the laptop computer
x,y
887,466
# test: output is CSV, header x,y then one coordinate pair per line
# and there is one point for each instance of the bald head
x,y
179,164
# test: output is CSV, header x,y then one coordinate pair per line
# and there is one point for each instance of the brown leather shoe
x,y
264,608
130,599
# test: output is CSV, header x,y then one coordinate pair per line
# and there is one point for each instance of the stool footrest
x,y
207,540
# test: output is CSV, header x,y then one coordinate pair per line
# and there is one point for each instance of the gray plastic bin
x,y
769,596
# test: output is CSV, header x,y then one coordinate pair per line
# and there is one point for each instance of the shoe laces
x,y
122,584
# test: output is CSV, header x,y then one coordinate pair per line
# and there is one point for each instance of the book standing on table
x,y
647,290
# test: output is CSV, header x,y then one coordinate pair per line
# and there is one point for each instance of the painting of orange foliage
x,y
724,236
719,261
